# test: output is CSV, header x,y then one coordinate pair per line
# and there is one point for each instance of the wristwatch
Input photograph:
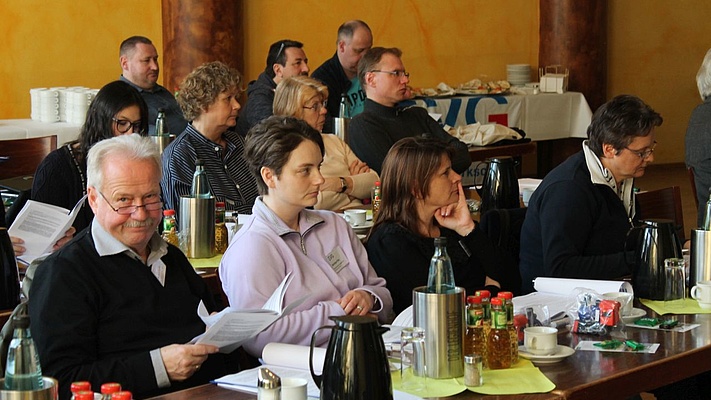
x,y
344,185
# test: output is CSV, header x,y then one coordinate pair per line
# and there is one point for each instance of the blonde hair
x,y
703,77
292,94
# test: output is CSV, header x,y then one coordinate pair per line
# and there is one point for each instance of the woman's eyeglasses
x,y
643,154
317,106
124,125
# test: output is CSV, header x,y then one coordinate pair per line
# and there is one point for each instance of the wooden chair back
x,y
20,157
663,203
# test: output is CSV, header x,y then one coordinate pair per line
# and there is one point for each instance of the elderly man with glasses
x,y
286,58
382,123
579,216
117,303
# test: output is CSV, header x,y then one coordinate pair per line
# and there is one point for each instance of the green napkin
x,y
213,262
523,377
690,306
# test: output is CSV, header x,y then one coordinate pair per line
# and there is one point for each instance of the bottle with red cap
x,y
509,306
83,395
170,229
221,235
475,341
82,386
499,340
108,389
486,306
122,395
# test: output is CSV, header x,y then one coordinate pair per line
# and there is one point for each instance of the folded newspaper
x,y
231,327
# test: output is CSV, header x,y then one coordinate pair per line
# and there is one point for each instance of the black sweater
x,y
372,133
97,318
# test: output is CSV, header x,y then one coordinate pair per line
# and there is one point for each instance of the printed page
x,y
40,225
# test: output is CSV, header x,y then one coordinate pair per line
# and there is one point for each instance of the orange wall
x,y
654,47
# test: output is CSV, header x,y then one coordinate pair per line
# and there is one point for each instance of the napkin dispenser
x,y
554,79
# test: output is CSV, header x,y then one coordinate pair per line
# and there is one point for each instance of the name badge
x,y
337,259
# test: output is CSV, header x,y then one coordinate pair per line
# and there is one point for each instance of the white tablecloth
x,y
27,128
543,116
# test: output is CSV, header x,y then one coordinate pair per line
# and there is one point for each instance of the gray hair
x,y
703,77
132,147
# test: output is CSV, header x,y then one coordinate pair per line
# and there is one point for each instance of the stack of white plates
x,y
518,74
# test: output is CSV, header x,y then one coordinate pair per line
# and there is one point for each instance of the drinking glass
x,y
413,373
675,283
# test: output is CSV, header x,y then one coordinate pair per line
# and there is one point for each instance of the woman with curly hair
x,y
208,98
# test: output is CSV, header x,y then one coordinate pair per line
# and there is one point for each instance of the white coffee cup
x,y
355,217
625,299
541,340
293,389
701,292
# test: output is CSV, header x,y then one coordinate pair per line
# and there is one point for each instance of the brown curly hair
x,y
202,86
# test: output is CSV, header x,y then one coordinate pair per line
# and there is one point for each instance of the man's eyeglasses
x,y
128,210
644,154
396,73
124,125
317,106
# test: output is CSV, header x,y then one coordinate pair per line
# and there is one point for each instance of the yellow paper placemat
x,y
433,387
212,262
690,306
523,377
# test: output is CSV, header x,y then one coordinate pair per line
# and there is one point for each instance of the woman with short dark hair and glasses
x,y
60,179
579,216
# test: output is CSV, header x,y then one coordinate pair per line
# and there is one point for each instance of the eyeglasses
x,y
128,210
317,106
124,125
396,73
644,154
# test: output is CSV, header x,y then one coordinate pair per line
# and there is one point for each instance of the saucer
x,y
363,228
636,314
561,353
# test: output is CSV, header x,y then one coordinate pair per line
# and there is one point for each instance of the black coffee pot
x,y
655,241
356,365
499,189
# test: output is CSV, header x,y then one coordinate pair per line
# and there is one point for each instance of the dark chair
x,y
665,204
503,226
19,157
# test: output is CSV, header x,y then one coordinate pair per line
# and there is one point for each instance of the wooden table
x,y
586,374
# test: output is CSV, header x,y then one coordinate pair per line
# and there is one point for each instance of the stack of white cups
x,y
35,103
49,105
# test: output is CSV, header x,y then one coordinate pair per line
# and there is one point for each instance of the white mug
x,y
701,292
625,299
541,340
355,217
293,389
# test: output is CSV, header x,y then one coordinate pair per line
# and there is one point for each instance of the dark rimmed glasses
x,y
643,154
128,210
397,73
124,125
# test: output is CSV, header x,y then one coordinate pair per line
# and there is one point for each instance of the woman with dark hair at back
x,y
421,199
60,179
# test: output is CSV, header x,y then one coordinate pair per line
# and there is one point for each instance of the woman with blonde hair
x,y
347,180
